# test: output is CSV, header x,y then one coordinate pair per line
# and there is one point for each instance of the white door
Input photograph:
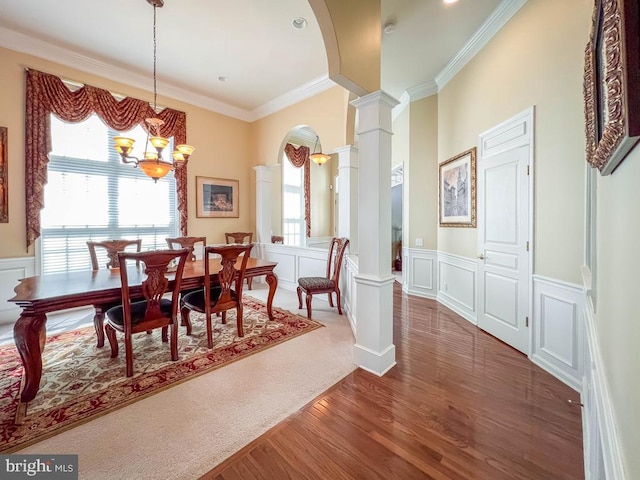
x,y
504,217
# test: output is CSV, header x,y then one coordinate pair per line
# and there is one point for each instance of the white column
x,y
374,348
348,195
263,203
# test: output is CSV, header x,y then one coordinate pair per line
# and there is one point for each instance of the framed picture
x,y
611,78
4,177
458,190
216,197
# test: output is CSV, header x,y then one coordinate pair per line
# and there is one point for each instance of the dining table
x,y
43,294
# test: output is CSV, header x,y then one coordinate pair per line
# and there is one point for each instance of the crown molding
x,y
500,16
423,90
307,90
405,100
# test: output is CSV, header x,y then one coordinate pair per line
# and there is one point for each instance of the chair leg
x,y
165,334
249,282
299,297
209,331
128,348
338,301
174,340
98,323
309,296
224,316
186,321
239,320
330,300
113,341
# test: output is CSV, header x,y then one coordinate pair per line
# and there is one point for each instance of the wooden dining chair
x,y
240,237
110,248
155,310
328,284
277,239
186,242
220,296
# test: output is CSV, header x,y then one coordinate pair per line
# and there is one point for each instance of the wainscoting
x,y
11,271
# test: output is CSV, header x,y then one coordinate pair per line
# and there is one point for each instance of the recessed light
x,y
299,23
449,1
223,79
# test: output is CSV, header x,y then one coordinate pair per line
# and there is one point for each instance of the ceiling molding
x,y
405,100
307,90
500,16
423,90
31,46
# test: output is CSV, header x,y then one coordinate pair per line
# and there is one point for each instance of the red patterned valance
x,y
300,157
47,94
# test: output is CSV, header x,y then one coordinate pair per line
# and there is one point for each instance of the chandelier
x,y
318,157
152,163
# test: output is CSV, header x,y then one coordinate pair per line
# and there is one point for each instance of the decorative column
x,y
263,203
348,195
374,348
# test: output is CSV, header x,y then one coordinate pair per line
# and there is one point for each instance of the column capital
x,y
263,172
375,112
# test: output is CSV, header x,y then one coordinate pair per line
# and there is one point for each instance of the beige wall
x,y
536,59
618,311
222,150
421,179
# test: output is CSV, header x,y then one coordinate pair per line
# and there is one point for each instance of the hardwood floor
x,y
460,404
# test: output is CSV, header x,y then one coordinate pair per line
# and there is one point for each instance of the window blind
x,y
92,195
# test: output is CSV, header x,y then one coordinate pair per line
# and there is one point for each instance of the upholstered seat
x,y
138,309
329,284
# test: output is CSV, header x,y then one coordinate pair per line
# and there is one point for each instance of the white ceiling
x,y
268,63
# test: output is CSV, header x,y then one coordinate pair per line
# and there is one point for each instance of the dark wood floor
x,y
459,405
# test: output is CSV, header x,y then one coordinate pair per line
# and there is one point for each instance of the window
x,y
92,195
293,226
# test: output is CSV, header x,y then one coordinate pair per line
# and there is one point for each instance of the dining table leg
x,y
272,281
29,333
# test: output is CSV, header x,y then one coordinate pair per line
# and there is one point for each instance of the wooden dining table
x,y
40,295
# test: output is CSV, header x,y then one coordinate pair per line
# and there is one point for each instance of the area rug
x,y
81,381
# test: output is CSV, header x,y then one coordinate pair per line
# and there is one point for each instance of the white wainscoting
x,y
11,271
295,262
602,452
457,286
348,290
419,272
558,329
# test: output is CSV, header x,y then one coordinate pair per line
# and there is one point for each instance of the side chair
x,y
111,248
154,311
240,237
186,242
328,284
223,295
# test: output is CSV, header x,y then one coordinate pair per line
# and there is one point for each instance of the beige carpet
x,y
187,430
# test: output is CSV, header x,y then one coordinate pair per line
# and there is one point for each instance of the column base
x,y
377,363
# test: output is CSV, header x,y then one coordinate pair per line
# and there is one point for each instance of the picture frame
x,y
4,176
611,78
457,190
217,197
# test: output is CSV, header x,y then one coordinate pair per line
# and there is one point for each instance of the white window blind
x,y
92,195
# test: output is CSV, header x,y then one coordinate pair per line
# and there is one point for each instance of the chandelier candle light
x,y
319,157
152,163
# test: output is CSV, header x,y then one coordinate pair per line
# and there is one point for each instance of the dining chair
x,y
155,310
110,248
240,237
328,284
277,239
186,242
223,295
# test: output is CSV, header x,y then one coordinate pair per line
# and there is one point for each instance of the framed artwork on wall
x,y
611,79
4,177
457,190
216,197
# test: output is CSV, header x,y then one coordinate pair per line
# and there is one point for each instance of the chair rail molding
x,y
11,271
558,329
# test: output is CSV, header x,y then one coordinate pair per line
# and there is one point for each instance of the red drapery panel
x,y
300,157
47,94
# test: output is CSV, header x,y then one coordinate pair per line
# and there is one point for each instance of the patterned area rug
x,y
81,381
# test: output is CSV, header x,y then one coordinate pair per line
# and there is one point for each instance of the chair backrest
x,y
230,275
277,239
112,247
156,283
239,237
334,261
186,242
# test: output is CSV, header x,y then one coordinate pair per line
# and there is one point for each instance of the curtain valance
x,y
299,157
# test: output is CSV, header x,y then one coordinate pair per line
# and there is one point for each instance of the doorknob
x,y
481,257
